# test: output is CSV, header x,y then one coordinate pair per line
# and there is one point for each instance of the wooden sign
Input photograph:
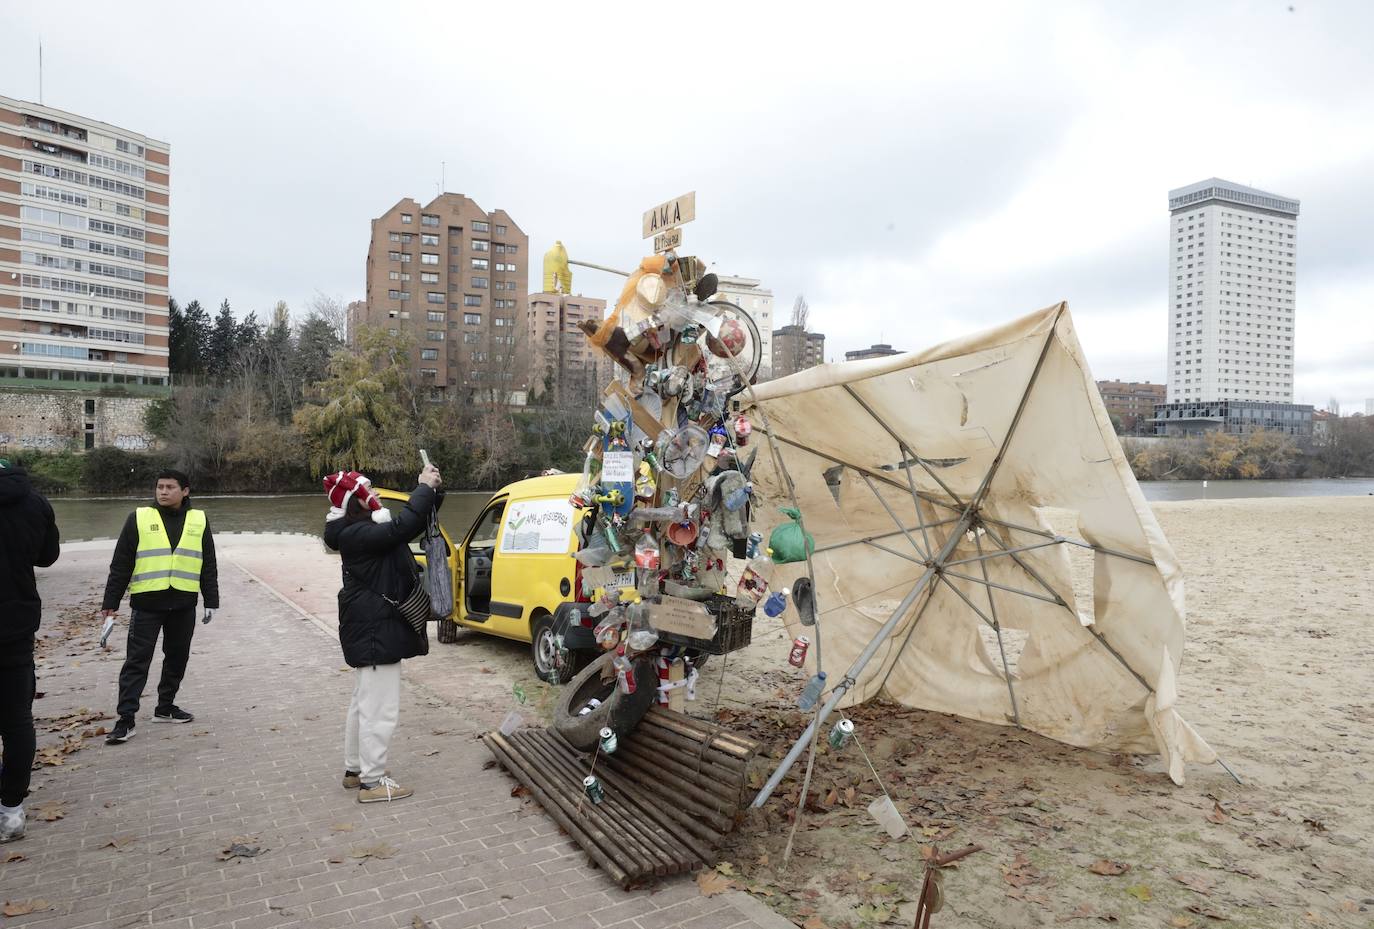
x,y
670,215
682,617
666,240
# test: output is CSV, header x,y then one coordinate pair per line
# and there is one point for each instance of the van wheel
x,y
544,648
620,712
448,631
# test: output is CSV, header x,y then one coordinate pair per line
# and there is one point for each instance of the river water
x,y
103,517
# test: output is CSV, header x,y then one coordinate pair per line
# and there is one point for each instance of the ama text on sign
x,y
671,214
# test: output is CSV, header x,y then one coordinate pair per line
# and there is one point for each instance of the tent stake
x,y
1229,771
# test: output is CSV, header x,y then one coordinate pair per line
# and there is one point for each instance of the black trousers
x,y
177,627
17,685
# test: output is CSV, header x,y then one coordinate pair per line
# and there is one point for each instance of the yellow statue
x,y
557,274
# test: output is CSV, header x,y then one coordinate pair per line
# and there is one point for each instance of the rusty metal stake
x,y
932,898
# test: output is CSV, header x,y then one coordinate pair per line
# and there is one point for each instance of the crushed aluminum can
x,y
593,789
592,704
609,741
840,735
800,645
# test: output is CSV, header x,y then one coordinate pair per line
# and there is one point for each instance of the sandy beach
x,y
1280,597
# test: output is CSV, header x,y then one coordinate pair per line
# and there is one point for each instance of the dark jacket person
x,y
165,558
379,572
28,539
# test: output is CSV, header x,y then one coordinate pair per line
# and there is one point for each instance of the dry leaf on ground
x,y
241,847
1182,922
342,827
14,856
1206,909
1198,883
417,923
120,842
814,922
1218,814
25,907
1140,892
1108,868
711,883
376,850
48,812
1086,911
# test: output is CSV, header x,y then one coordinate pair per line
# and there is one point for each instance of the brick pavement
x,y
144,823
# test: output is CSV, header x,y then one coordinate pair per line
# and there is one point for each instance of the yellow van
x,y
514,574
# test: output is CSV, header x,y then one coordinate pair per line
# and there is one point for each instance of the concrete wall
x,y
58,420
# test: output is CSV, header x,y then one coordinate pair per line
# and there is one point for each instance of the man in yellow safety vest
x,y
165,557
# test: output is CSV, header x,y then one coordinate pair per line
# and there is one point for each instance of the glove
x,y
209,614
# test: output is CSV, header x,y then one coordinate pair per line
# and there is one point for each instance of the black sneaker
x,y
175,715
122,732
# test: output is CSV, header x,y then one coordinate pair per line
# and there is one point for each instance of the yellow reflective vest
x,y
157,566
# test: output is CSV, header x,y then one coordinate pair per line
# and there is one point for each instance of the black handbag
x,y
414,609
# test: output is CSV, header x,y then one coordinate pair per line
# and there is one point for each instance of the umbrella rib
x,y
1010,590
1060,538
883,535
981,615
1001,554
864,469
997,627
903,448
902,555
925,555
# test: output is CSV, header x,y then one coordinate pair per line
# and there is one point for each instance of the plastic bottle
x,y
812,692
624,674
755,540
642,636
753,583
739,496
776,603
646,551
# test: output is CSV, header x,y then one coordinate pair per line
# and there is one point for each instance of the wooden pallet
x,y
674,788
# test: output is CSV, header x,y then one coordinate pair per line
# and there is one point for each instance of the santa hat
x,y
343,486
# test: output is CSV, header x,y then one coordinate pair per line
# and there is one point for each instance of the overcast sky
x,y
916,174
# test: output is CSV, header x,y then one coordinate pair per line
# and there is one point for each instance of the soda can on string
x,y
797,657
593,789
841,734
609,742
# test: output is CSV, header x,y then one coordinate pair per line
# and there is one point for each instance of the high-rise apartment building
x,y
83,250
562,360
749,295
455,278
795,349
1232,277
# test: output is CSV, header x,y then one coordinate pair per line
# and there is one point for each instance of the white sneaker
x,y
11,823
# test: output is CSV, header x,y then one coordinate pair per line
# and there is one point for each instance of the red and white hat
x,y
343,486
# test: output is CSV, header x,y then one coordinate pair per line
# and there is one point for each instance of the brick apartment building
x,y
1132,403
454,277
561,357
795,349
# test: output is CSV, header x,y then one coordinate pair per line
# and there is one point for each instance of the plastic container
x,y
753,583
739,496
885,812
812,691
776,602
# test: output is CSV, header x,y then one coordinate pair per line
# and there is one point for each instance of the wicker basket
x,y
734,628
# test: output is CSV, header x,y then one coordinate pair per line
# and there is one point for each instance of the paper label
x,y
618,467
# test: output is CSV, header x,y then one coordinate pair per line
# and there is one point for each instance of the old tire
x,y
620,712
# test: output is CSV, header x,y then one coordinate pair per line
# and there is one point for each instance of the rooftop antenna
x,y
443,170
40,70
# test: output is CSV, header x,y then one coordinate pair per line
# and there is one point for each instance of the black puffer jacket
x,y
28,538
377,563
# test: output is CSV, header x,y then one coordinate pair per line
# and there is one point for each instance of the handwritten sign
x,y
682,617
666,240
537,527
670,215
618,467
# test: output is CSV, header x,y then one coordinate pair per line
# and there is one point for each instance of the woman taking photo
x,y
379,574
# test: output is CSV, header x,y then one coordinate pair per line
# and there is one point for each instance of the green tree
x,y
176,338
315,343
223,342
196,339
363,422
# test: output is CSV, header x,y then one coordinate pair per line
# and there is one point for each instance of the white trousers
x,y
372,719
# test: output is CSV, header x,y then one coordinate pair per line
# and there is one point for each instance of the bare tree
x,y
330,309
801,312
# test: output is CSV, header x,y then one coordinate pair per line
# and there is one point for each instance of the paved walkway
x,y
144,826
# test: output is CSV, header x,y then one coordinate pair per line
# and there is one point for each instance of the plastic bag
x,y
438,578
786,540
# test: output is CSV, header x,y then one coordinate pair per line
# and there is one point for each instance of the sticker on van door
x,y
537,527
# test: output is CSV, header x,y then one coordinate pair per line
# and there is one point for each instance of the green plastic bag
x,y
786,540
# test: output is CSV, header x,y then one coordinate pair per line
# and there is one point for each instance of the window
x,y
429,354
434,296
472,338
428,219
429,277
429,238
407,218
500,230
481,245
429,258
472,319
504,321
405,258
480,227
394,236
472,300
480,264
435,317
393,275
480,283
394,294
434,335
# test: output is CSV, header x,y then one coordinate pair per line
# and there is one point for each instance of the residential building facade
x,y
562,360
84,251
453,277
878,350
1232,283
795,349
1132,403
750,295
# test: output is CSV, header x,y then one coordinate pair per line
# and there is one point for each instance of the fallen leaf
x,y
25,907
418,923
1218,814
1108,868
711,883
342,827
14,856
377,850
1181,922
49,812
726,868
519,790
814,922
1086,911
432,752
1206,909
875,913
120,842
1198,883
1140,892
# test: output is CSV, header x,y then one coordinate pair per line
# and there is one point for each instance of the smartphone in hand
x,y
424,458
